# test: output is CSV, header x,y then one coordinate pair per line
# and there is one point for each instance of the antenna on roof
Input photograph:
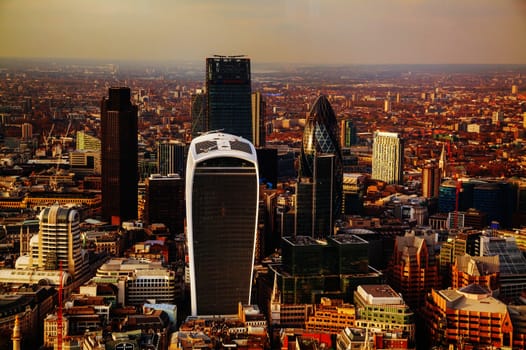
x,y
210,131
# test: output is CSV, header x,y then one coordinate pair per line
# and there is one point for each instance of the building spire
x,y
15,337
442,162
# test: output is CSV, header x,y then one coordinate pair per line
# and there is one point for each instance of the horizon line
x,y
187,61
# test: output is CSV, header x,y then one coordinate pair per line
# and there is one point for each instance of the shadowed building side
x,y
222,196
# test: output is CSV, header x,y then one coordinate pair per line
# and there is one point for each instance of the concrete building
x,y
331,316
388,157
469,315
413,268
380,307
481,270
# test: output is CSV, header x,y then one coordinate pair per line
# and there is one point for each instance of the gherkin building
x,y
319,192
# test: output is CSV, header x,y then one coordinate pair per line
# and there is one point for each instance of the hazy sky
x,y
298,31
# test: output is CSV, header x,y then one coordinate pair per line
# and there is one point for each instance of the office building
x,y
315,200
164,201
222,199
138,281
481,270
58,243
348,135
469,315
512,274
198,113
228,89
497,199
430,181
171,158
86,141
312,268
388,157
331,316
320,178
119,156
84,163
27,131
258,119
378,306
413,269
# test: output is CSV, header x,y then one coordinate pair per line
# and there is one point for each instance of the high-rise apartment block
x,y
228,89
119,156
388,157
222,199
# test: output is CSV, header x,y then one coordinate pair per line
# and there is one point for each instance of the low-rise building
x,y
467,315
380,307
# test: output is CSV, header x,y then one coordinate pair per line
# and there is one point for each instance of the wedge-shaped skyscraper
x,y
222,192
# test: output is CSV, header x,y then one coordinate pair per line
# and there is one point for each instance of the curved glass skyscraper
x,y
319,192
222,193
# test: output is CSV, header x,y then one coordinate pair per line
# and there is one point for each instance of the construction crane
x,y
65,139
48,137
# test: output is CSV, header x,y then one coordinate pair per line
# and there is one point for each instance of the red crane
x,y
59,312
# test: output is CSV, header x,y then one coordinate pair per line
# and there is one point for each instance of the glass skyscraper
x,y
228,89
222,193
319,188
119,156
171,157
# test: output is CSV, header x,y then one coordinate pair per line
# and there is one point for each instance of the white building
x,y
388,157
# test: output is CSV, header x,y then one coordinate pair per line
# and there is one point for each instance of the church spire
x,y
442,162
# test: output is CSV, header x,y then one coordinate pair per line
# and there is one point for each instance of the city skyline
x,y
287,31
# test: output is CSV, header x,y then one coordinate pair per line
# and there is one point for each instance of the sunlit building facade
x,y
388,157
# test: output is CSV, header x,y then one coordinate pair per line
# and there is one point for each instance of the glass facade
x,y
320,173
119,156
222,192
223,232
229,101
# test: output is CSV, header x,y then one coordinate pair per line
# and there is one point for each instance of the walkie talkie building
x,y
222,191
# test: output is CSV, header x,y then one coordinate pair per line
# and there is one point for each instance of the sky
x,y
268,31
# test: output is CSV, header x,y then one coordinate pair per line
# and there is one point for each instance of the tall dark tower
x,y
319,188
258,119
228,91
119,156
222,203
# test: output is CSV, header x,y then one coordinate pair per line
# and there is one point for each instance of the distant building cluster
x,y
312,208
